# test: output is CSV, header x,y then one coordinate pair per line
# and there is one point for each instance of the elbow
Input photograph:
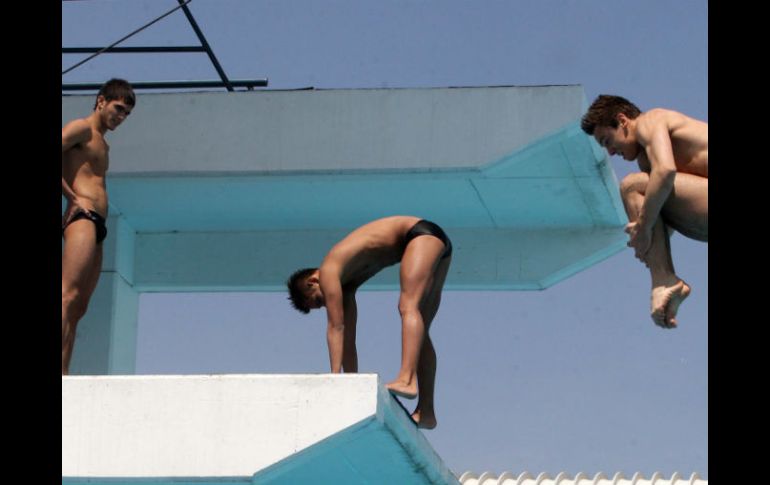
x,y
667,177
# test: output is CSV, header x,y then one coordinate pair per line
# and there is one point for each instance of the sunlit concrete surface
x,y
271,429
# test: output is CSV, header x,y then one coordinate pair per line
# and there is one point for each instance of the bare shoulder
x,y
76,131
78,124
330,274
656,117
657,120
665,117
332,262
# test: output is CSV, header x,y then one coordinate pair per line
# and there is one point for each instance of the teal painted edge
x,y
610,180
584,263
607,174
395,421
302,457
125,250
415,445
538,144
124,323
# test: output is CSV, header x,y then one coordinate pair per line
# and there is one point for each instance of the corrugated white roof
x,y
525,478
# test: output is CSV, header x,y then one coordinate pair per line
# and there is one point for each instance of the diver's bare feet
x,y
424,420
403,389
666,301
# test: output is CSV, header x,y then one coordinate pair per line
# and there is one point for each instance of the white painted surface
x,y
276,131
204,426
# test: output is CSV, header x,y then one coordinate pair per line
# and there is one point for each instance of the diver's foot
x,y
424,420
665,303
403,389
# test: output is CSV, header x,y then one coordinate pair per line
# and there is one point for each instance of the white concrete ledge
x,y
229,428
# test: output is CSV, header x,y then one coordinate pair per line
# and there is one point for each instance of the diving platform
x,y
241,429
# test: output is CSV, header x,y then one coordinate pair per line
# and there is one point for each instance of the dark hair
x,y
604,112
117,89
296,295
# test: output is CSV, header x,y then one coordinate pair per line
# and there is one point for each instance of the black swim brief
x,y
99,222
427,228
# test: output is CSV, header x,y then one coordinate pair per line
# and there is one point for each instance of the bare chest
x,y
93,155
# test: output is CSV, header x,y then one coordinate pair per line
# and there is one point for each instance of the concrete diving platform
x,y
238,429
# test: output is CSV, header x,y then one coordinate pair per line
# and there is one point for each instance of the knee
x,y
407,308
634,183
73,302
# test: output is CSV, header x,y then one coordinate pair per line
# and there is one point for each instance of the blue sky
x,y
573,378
